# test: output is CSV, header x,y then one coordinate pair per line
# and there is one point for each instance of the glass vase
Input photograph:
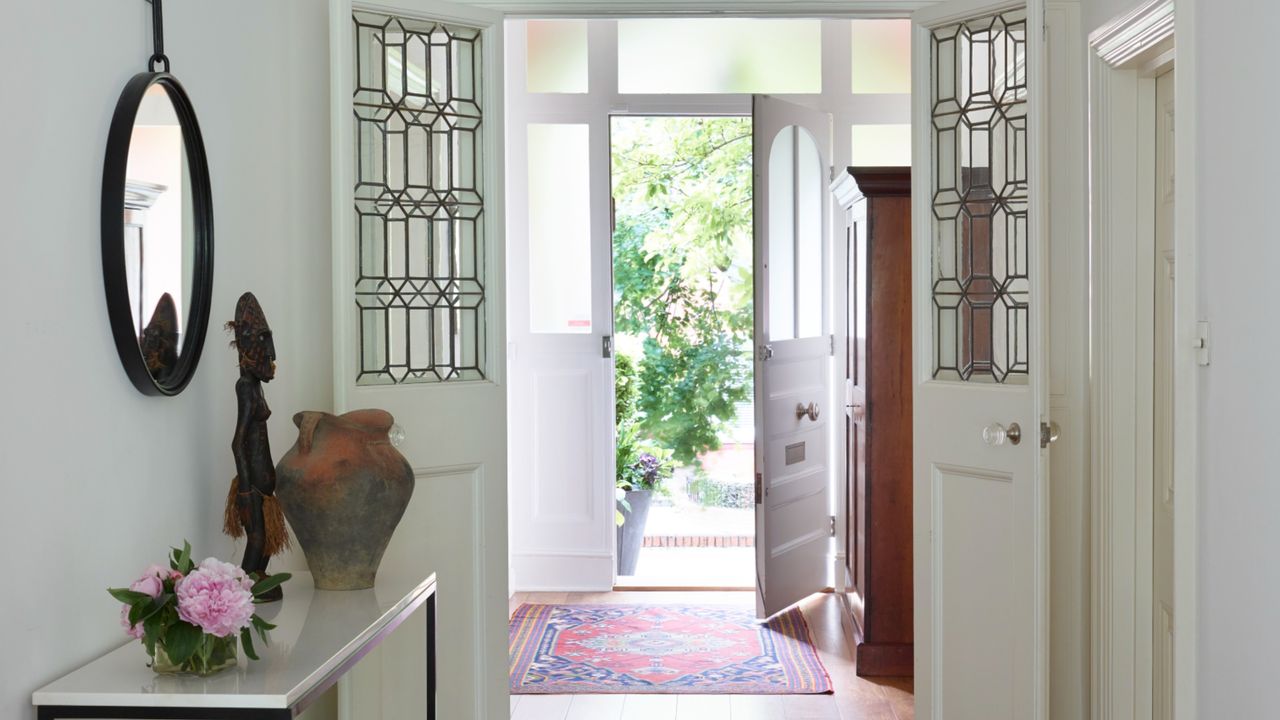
x,y
213,655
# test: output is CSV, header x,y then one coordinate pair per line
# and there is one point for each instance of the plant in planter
x,y
641,466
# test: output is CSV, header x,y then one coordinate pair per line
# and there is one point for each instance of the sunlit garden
x,y
683,320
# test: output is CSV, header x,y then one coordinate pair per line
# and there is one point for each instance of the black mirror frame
x,y
114,275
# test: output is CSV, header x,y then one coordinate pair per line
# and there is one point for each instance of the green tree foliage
x,y
682,271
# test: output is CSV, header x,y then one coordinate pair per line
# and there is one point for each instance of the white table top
x,y
318,630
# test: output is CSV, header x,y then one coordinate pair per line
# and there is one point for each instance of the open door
x,y
980,502
418,328
791,156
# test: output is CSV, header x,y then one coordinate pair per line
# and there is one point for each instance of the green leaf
x,y
262,586
184,560
127,596
246,639
181,641
150,610
261,624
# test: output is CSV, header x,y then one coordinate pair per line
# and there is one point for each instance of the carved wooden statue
x,y
159,340
252,509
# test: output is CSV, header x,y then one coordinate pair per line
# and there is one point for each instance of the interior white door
x,y
791,151
419,321
980,502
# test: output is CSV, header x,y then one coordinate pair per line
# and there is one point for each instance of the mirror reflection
x,y
159,232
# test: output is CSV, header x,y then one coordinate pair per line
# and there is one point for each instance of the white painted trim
x,y
1068,255
1146,28
1125,54
757,8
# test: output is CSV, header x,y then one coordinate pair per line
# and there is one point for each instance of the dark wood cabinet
x,y
876,207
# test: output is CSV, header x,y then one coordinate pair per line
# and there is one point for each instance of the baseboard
x,y
561,572
886,659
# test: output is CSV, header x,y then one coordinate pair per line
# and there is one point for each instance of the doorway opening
x,y
683,372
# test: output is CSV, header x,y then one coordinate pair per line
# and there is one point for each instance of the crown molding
x,y
1146,30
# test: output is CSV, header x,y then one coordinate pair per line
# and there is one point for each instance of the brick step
x,y
699,541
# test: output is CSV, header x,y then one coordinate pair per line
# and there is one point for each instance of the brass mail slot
x,y
795,453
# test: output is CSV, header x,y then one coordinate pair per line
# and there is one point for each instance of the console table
x,y
320,636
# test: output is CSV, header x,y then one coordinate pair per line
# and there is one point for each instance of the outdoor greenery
x,y
641,464
682,276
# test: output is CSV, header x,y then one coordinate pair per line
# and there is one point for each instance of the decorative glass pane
x,y
559,229
795,236
719,55
881,56
981,282
556,56
419,210
881,145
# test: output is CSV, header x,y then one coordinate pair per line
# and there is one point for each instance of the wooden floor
x,y
855,698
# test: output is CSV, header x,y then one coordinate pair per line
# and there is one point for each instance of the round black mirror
x,y
157,234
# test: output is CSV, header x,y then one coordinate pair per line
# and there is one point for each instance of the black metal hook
x,y
157,33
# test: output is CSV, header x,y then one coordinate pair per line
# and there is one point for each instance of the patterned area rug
x,y
661,649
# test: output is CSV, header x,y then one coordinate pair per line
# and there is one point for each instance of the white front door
x,y
791,159
981,503
418,325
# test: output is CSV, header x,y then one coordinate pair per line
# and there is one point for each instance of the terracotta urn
x,y
343,487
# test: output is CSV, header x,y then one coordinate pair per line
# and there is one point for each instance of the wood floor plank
x,y
755,707
542,707
596,707
810,707
649,707
702,707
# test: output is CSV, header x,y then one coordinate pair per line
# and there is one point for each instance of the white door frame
x,y
603,102
1125,56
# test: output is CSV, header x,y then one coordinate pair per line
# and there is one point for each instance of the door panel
x,y
793,359
560,309
980,504
419,321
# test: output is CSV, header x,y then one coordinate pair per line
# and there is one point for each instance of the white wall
x,y
99,480
1238,152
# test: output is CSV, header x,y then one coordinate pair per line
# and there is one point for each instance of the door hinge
x,y
606,346
833,524
759,488
833,345
764,352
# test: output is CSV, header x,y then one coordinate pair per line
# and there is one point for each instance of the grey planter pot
x,y
631,534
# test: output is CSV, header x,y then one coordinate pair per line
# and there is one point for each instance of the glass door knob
x,y
996,434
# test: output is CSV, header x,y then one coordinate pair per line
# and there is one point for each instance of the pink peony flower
x,y
216,598
133,631
152,581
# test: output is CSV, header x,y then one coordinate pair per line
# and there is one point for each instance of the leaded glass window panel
x,y
981,285
420,285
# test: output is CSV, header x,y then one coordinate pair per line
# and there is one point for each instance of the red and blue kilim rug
x,y
661,649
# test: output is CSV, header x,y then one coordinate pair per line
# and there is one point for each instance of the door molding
x,y
1126,54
